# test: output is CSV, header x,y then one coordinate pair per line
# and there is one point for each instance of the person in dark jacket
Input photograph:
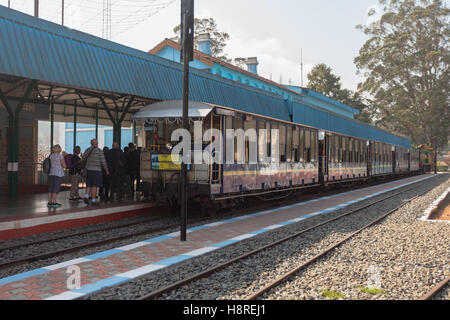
x,y
104,189
116,164
75,174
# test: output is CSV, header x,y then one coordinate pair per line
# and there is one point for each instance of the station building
x,y
53,73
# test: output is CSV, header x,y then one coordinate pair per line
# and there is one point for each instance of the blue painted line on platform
x,y
103,254
108,282
23,275
180,258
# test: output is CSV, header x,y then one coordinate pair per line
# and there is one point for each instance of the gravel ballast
x,y
407,255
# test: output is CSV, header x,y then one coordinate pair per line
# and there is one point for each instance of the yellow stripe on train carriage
x,y
267,172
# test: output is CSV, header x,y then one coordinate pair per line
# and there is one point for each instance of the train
x,y
304,157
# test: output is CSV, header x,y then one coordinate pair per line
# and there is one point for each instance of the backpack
x,y
68,160
46,165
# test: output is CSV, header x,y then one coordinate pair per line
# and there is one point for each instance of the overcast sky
x,y
272,30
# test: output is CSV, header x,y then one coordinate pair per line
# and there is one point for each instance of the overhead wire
x,y
89,16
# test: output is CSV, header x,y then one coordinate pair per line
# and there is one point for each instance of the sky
x,y
272,30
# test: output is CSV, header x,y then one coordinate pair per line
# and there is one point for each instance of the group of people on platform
x,y
113,171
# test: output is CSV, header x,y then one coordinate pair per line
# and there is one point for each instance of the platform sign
x,y
166,162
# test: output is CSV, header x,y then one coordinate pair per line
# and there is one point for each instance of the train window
x,y
289,144
350,149
314,145
302,145
262,141
361,151
229,139
345,149
238,152
282,130
274,127
308,146
250,141
296,145
336,148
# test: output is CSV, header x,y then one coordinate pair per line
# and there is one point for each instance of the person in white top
x,y
55,175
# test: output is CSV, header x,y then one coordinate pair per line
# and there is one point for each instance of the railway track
x,y
438,288
157,293
92,244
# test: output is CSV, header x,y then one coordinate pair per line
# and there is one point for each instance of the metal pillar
x,y
52,122
96,122
117,119
13,140
187,41
74,124
134,133
36,8
62,13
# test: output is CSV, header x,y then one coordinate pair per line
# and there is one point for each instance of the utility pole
x,y
36,8
62,17
9,3
187,54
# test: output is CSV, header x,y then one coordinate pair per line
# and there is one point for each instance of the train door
x,y
369,158
323,160
215,169
394,161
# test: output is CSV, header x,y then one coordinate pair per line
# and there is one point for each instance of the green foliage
x,y
405,64
372,290
321,79
218,39
332,294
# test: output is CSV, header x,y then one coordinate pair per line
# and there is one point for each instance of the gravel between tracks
x,y
243,278
402,256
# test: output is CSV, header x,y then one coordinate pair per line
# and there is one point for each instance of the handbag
x,y
81,165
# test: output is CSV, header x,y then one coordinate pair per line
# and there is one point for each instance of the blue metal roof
x,y
37,49
314,117
41,50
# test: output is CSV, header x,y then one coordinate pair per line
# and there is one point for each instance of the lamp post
x,y
187,53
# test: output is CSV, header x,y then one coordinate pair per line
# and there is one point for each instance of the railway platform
x,y
30,215
118,265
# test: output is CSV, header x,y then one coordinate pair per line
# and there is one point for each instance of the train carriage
x,y
259,156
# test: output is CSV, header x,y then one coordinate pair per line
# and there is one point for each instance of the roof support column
x,y
74,124
52,123
13,140
117,118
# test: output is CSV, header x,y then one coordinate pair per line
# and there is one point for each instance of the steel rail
x,y
52,254
430,294
78,233
294,271
219,267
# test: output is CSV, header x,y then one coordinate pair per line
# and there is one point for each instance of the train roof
x,y
304,115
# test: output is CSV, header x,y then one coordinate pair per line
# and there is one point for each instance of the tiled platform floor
x,y
124,263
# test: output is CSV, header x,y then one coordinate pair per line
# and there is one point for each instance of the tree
x,y
405,64
322,80
218,39
240,62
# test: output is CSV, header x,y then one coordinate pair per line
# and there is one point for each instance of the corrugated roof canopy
x,y
173,109
74,67
73,62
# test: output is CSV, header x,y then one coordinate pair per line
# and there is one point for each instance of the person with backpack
x,y
55,175
94,161
75,174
